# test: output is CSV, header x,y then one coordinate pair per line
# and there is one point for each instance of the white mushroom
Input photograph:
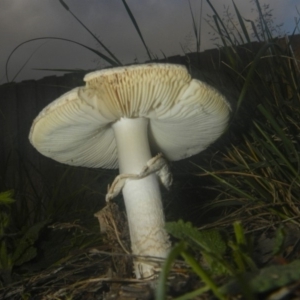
x,y
118,119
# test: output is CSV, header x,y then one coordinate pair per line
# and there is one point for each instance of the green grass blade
x,y
265,29
26,62
241,22
217,17
239,233
231,186
216,20
254,29
161,290
62,70
136,26
195,29
104,47
277,151
289,147
250,74
194,294
98,53
202,274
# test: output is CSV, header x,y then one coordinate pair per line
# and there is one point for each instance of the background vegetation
x,y
250,179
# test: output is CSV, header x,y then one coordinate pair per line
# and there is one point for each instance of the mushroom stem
x,y
142,197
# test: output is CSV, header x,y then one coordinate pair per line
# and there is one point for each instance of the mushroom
x,y
118,120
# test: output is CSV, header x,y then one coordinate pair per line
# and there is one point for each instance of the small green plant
x,y
263,281
210,254
39,226
15,248
5,258
209,242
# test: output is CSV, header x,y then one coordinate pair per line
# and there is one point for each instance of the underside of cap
x,y
199,117
72,132
185,115
137,91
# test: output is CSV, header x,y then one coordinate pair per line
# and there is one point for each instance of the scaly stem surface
x,y
142,197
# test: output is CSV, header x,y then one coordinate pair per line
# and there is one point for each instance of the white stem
x,y
142,197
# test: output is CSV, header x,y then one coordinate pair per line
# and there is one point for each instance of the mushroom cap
x,y
185,115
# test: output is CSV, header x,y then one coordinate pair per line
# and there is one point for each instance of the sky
x,y
165,24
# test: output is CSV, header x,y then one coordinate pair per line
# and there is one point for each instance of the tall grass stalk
x,y
264,166
197,27
111,59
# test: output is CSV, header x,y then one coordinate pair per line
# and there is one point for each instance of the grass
x,y
44,223
107,55
263,168
255,175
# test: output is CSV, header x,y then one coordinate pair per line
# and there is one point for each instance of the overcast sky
x,y
165,25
